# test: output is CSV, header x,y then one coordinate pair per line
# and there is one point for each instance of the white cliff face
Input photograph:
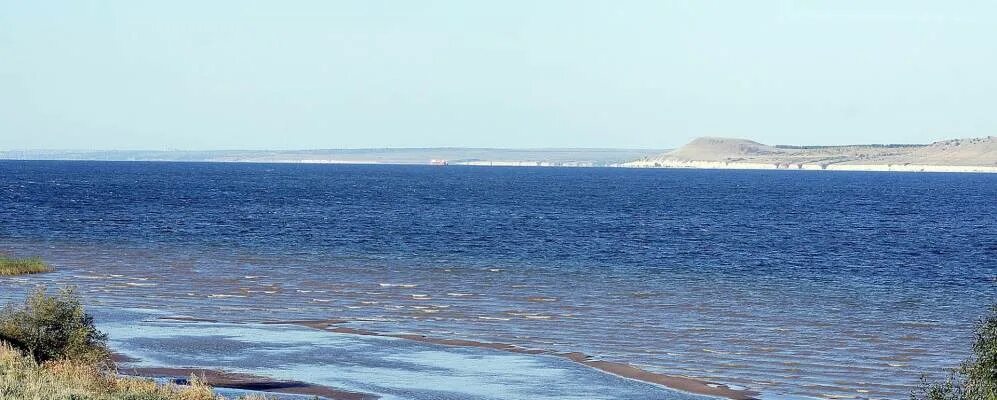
x,y
959,155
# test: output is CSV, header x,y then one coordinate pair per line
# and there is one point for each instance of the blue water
x,y
794,283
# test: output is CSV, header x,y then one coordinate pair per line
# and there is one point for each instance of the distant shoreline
x,y
975,155
526,164
970,155
714,165
810,166
578,157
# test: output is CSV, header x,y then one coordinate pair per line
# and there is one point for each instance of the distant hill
x,y
721,149
956,155
453,156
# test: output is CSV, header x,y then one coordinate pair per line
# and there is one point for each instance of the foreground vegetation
x,y
21,378
22,266
975,379
51,350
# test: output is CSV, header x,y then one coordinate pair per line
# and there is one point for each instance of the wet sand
x,y
230,380
689,385
222,379
183,318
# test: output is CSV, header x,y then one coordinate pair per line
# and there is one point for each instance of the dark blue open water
x,y
789,282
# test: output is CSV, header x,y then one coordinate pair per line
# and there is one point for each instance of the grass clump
x,y
22,266
21,378
975,379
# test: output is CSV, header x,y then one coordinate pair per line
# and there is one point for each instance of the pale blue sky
x,y
643,74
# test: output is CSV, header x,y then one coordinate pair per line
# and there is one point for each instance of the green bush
x,y
981,371
976,379
951,389
53,328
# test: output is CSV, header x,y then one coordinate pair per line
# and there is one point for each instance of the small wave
x,y
140,284
401,285
529,315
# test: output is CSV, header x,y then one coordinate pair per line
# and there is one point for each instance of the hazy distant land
x,y
956,155
451,156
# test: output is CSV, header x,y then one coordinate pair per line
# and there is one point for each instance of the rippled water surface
x,y
794,283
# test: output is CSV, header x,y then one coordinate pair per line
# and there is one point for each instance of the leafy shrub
x,y
981,370
976,379
952,388
53,328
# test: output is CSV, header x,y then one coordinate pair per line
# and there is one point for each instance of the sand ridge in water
x,y
685,384
387,366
